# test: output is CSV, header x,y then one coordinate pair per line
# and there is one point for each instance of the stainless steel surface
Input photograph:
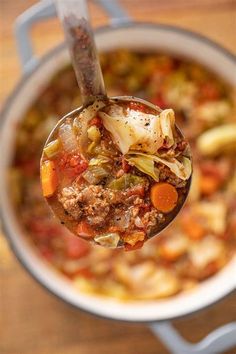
x,y
80,40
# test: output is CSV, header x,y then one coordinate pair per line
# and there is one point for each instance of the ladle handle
x,y
80,40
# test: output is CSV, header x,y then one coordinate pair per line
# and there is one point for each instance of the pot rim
x,y
103,29
11,99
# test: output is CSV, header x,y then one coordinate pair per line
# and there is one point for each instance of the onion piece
x,y
68,138
80,124
122,220
138,222
110,240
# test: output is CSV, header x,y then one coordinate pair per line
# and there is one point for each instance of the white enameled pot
x,y
37,75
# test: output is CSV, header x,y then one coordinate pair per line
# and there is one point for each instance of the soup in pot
x,y
203,237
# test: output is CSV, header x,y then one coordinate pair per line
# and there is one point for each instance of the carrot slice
x,y
209,184
164,196
48,178
85,230
193,229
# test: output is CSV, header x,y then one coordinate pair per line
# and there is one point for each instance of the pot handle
x,y
40,11
46,9
117,14
219,340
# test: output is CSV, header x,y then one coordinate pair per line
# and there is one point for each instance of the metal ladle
x,y
80,40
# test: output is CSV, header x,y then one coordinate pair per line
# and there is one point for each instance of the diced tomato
x,y
159,101
85,230
46,252
136,190
209,91
137,106
219,170
29,167
96,121
43,230
75,247
85,273
72,165
81,167
125,166
138,245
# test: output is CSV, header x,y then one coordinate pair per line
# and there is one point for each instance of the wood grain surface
x,y
31,320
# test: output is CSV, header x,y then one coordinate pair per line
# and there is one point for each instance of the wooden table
x,y
32,320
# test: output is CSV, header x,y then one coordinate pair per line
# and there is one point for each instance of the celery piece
x,y
126,181
52,149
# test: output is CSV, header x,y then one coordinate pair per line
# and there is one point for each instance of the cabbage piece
x,y
167,122
126,181
100,160
217,140
94,174
80,124
144,164
109,240
138,130
213,214
182,169
208,250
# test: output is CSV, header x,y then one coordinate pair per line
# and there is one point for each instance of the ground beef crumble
x,y
167,176
95,203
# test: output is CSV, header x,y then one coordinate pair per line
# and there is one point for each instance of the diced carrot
x,y
137,245
49,178
164,196
209,184
85,230
133,237
96,121
192,228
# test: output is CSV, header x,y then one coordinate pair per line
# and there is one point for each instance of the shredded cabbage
x,y
167,122
136,130
144,164
182,169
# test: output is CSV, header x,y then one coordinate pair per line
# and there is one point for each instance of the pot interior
x,y
144,37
